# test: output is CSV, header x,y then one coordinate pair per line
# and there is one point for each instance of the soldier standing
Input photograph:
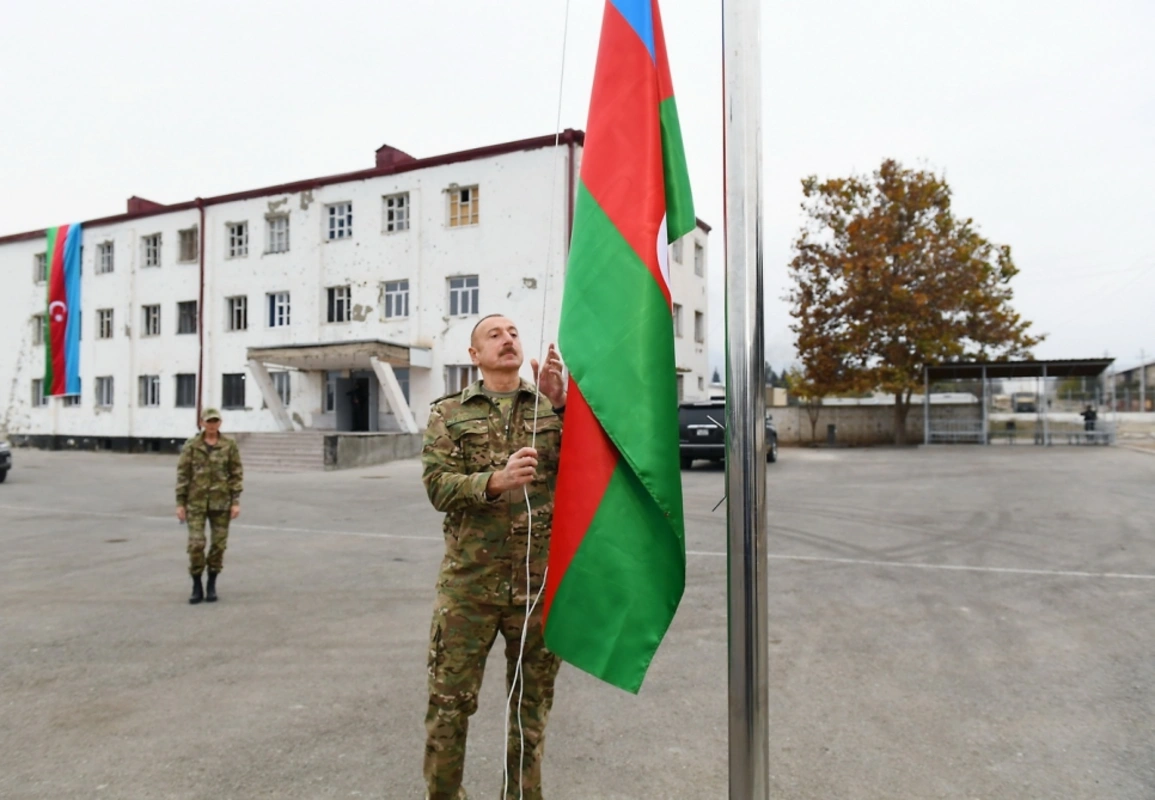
x,y
209,481
478,466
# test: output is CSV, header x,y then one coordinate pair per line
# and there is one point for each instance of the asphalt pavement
x,y
944,623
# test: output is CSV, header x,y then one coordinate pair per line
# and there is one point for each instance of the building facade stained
x,y
285,305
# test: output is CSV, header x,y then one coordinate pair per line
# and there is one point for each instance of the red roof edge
x,y
703,225
568,136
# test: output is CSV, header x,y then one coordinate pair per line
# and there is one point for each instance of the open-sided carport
x,y
1051,425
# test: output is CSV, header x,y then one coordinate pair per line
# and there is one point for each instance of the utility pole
x,y
1142,380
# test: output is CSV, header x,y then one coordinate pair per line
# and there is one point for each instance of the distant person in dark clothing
x,y
1089,416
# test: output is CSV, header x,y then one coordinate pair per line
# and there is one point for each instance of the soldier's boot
x,y
211,589
198,592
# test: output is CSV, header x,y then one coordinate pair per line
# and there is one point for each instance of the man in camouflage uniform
x,y
209,481
480,458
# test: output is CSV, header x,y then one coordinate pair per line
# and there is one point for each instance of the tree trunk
x,y
900,410
812,412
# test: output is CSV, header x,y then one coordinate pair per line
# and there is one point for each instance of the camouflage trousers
x,y
219,523
461,637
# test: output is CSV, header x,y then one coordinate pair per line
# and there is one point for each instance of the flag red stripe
x,y
588,460
665,82
622,167
57,328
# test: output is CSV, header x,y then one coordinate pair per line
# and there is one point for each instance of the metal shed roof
x,y
1057,368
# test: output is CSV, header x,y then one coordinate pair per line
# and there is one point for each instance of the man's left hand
x,y
549,380
234,512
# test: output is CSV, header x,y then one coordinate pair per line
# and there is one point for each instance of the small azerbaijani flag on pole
x,y
617,563
62,324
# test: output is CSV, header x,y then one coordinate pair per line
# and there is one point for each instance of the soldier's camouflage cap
x,y
210,414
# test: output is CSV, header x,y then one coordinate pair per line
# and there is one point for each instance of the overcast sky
x,y
1042,116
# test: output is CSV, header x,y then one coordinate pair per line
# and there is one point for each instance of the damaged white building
x,y
342,303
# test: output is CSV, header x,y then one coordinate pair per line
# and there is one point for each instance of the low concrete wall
x,y
115,444
861,426
347,450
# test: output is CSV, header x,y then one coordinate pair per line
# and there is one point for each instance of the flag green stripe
x,y
680,218
618,340
620,592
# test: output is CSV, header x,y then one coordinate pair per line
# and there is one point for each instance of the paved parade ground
x,y
944,623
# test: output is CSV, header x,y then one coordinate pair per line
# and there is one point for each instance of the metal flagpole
x,y
746,403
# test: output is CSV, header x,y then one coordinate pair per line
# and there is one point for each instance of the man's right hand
x,y
181,514
519,471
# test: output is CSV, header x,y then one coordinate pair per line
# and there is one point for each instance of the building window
x,y
149,391
233,390
104,392
281,383
238,313
677,320
70,400
38,329
396,299
699,259
339,303
396,212
238,239
104,257
40,268
278,309
681,387
331,391
340,221
186,317
676,250
701,384
151,320
278,234
463,206
186,390
402,375
458,376
699,326
38,398
188,244
151,250
104,323
463,297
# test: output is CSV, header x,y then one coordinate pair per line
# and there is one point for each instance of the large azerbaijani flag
x,y
62,324
617,563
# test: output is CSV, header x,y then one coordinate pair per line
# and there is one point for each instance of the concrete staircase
x,y
298,451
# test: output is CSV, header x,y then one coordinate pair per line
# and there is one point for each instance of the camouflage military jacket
x,y
209,479
486,539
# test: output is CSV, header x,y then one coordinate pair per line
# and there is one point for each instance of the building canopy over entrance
x,y
355,355
368,355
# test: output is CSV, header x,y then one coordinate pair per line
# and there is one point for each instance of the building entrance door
x,y
353,400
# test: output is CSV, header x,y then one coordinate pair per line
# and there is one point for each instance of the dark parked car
x,y
5,460
701,434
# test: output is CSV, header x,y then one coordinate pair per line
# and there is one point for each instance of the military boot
x,y
211,589
198,590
